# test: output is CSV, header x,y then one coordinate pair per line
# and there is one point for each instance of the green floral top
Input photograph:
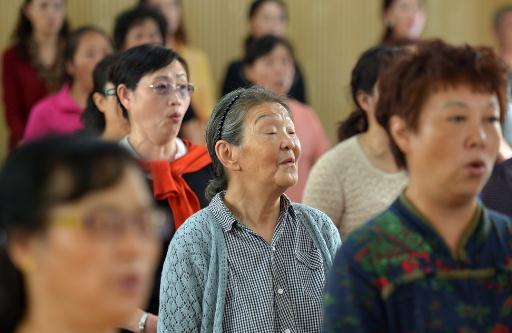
x,y
395,274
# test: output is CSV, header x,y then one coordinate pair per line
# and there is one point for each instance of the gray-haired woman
x,y
251,261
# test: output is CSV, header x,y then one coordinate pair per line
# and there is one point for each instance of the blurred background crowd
x,y
327,37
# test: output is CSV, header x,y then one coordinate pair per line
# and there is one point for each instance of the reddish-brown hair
x,y
405,86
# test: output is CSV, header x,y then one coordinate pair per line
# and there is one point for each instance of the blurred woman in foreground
x,y
77,254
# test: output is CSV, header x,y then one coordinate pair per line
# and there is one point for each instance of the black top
x,y
497,193
235,79
197,182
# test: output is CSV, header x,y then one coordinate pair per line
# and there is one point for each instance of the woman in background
x,y
32,67
270,63
404,21
61,112
76,253
358,178
103,115
139,25
266,17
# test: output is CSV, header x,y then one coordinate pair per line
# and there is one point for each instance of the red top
x,y
22,88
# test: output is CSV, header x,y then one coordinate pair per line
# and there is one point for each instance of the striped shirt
x,y
274,287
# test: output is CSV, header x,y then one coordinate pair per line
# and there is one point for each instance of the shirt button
x,y
287,331
280,291
273,248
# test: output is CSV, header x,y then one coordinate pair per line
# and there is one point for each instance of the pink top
x,y
55,114
313,140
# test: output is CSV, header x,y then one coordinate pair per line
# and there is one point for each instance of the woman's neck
x,y
449,219
149,151
506,55
375,144
79,94
257,209
171,42
47,46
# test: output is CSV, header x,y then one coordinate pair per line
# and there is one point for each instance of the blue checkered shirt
x,y
274,287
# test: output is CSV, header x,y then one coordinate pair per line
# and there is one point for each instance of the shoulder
x,y
502,224
12,53
340,155
314,217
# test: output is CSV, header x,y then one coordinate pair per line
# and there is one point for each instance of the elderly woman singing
x,y
251,261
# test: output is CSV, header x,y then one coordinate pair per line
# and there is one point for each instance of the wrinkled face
x,y
146,32
172,11
107,272
46,16
452,153
154,114
92,47
504,31
274,71
270,149
118,125
270,19
407,18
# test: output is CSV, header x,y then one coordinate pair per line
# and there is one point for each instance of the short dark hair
x,y
262,46
498,16
413,77
257,4
226,123
73,42
92,118
28,192
363,78
133,17
138,61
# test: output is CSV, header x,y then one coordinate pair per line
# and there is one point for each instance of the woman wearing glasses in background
x,y
76,252
152,87
103,115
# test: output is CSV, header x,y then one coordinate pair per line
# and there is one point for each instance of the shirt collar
x,y
472,239
227,219
181,148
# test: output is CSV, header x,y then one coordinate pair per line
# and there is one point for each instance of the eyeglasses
x,y
110,223
109,92
165,89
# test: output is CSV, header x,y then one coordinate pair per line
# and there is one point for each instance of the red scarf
x,y
168,182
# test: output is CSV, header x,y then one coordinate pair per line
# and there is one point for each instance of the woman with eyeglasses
x,y
152,87
103,115
76,253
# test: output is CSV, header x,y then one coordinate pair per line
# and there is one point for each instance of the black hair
x,y
73,42
262,46
253,10
226,123
29,190
138,61
92,118
133,17
24,29
364,77
498,16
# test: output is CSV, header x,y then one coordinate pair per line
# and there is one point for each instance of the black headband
x,y
224,114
